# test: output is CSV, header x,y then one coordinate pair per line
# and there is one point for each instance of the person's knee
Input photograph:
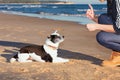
x,y
101,38
102,18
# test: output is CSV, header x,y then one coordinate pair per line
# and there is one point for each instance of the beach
x,y
80,46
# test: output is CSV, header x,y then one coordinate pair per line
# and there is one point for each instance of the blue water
x,y
65,12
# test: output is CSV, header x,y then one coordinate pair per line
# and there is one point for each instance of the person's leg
x,y
105,19
110,41
104,39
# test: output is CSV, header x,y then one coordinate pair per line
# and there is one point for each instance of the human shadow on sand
x,y
80,56
13,44
61,53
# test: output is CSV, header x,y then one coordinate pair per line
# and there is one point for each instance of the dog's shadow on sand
x,y
8,53
61,53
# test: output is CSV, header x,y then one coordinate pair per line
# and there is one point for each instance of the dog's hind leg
x,y
14,58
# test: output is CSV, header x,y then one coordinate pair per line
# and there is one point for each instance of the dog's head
x,y
55,39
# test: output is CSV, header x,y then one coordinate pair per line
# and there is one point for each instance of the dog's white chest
x,y
50,51
53,54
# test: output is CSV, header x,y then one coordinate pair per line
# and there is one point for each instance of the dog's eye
x,y
58,37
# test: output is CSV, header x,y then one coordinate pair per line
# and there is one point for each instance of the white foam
x,y
63,17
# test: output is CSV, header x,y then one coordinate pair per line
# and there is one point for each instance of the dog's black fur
x,y
38,50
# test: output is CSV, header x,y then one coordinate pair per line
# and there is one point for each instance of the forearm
x,y
107,28
103,27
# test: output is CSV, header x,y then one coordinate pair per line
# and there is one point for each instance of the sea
x,y
63,12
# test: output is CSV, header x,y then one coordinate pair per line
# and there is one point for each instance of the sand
x,y
80,46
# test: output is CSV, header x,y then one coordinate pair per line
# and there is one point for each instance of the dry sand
x,y
80,47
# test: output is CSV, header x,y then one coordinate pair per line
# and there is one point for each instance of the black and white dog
x,y
44,53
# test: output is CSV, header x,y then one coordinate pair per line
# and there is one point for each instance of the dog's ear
x,y
55,31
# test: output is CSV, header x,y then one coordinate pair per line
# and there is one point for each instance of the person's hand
x,y
90,12
92,27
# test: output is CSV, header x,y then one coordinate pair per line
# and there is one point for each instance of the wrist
x,y
98,27
95,19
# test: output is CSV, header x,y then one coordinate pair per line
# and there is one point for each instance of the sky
x,y
86,1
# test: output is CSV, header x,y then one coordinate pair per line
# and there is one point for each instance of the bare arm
x,y
93,27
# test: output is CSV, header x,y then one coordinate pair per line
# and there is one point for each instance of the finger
x,y
88,11
90,6
88,16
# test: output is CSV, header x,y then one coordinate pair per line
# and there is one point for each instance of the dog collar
x,y
53,47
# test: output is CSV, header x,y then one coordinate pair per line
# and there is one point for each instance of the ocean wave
x,y
54,6
104,8
60,14
10,12
81,10
31,6
10,7
23,6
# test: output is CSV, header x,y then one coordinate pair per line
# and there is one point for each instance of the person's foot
x,y
110,63
114,60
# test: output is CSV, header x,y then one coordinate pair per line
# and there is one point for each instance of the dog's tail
x,y
14,58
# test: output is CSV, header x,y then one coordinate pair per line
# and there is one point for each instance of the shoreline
x,y
67,19
80,47
40,18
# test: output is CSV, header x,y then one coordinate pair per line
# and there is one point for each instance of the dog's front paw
x,y
60,60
